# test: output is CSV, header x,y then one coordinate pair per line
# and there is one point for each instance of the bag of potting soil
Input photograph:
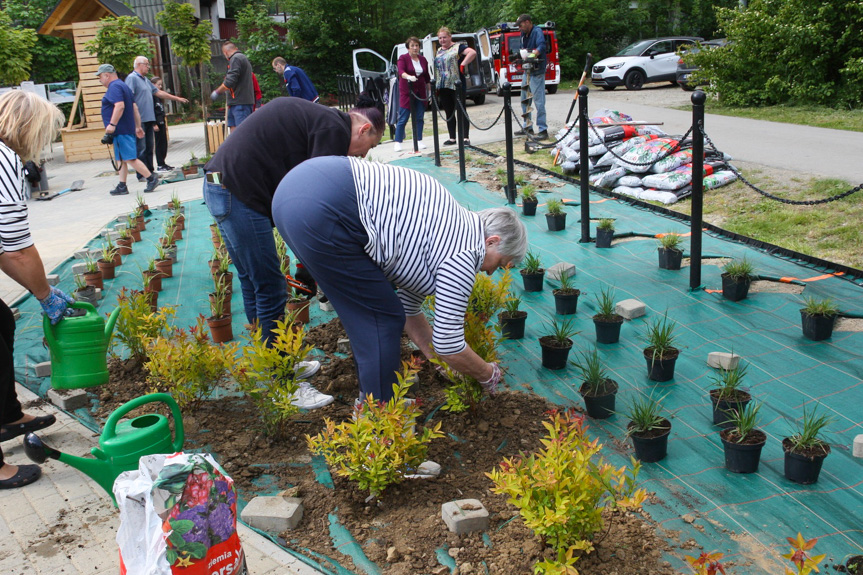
x,y
676,179
178,515
621,148
608,178
640,157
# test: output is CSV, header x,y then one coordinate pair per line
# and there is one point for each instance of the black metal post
x,y
698,99
412,102
510,164
462,173
583,163
433,95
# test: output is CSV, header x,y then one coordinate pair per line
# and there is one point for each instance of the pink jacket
x,y
406,66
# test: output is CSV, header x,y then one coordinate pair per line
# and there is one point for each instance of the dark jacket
x,y
406,65
298,84
238,81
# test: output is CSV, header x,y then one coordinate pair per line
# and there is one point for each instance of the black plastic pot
x,y
802,469
659,369
669,259
854,565
742,457
86,294
817,327
512,327
603,238
529,208
565,303
608,331
533,282
600,406
652,448
556,222
735,289
722,409
554,357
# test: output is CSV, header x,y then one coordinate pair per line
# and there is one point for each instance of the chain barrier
x,y
480,128
439,109
529,136
777,198
674,149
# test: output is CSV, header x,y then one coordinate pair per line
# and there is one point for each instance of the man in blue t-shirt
x,y
297,83
123,122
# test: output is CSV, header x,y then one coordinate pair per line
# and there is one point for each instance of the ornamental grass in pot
x,y
805,450
566,296
84,292
124,242
164,263
512,319
818,317
737,276
108,262
598,390
299,304
670,254
648,428
92,275
556,217
532,272
528,200
607,321
604,232
742,441
134,231
219,321
153,276
727,397
660,353
556,345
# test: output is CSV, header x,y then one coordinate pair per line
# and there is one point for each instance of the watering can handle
x,y
46,323
111,424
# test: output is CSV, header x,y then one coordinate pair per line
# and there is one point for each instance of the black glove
x,y
304,277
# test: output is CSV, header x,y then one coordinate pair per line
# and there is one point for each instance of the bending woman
x,y
360,227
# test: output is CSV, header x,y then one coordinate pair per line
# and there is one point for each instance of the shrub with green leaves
x,y
562,490
137,325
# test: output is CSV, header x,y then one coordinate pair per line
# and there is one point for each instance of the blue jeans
x,y
236,115
404,116
537,86
248,236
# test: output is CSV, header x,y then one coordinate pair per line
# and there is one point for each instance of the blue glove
x,y
55,304
214,95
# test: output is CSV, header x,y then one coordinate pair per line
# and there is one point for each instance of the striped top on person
x,y
14,226
425,243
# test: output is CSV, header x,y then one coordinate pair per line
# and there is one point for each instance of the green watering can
x,y
121,444
79,347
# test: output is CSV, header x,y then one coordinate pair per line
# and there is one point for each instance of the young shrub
x,y
799,556
189,365
670,241
739,270
554,207
137,325
528,193
531,264
562,490
606,224
267,373
379,445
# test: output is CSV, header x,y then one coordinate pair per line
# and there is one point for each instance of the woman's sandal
x,y
12,430
26,475
466,142
449,143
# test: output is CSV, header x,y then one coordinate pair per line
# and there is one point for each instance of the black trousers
x,y
161,138
146,144
447,101
10,407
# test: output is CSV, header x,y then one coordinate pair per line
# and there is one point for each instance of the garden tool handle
x,y
111,424
46,322
297,285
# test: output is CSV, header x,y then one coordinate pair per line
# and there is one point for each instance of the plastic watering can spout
x,y
101,471
109,325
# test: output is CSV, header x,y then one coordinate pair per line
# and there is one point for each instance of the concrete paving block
x,y
121,226
43,369
16,315
858,446
98,294
82,254
53,279
78,269
558,270
326,306
95,254
273,514
723,360
630,308
344,345
464,516
68,399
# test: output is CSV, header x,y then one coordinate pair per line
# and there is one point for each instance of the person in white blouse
x,y
361,227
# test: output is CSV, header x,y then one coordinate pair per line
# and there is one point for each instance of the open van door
x,y
484,51
369,65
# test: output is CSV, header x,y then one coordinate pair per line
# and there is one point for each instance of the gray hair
x,y
504,222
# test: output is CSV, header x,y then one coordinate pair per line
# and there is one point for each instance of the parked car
x,y
505,46
685,71
643,62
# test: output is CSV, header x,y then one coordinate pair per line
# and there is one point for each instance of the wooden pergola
x,y
79,20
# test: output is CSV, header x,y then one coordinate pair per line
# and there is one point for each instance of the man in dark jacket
x,y
238,85
297,83
533,42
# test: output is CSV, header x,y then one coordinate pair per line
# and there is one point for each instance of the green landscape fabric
x,y
697,499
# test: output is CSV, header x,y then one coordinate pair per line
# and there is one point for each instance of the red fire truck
x,y
505,46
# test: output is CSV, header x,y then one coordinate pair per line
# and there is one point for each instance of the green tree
x,y
190,38
15,46
259,38
117,43
53,58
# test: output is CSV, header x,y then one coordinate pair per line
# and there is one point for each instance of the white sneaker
x,y
307,369
421,146
397,147
307,397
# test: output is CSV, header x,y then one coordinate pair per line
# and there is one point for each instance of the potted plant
x,y
597,389
805,450
223,292
607,321
648,428
151,297
134,230
818,316
219,321
84,292
164,263
174,202
670,254
512,319
178,231
108,263
216,235
660,352
142,207
742,441
92,275
556,346
854,565
124,242
167,238
190,168
736,278
604,233
153,276
556,217
532,272
727,397
298,304
566,296
179,218
223,274
528,200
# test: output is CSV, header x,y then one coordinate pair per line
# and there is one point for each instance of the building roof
x,y
68,12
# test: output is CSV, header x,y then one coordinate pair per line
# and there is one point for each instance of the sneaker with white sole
x,y
397,147
307,397
421,146
307,369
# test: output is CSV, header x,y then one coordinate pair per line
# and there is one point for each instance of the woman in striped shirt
x,y
361,227
27,124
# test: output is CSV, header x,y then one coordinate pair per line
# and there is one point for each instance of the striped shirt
x,y
14,226
424,241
